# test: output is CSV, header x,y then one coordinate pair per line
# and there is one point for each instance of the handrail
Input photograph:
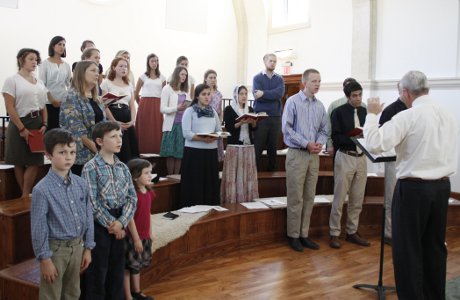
x,y
4,119
226,102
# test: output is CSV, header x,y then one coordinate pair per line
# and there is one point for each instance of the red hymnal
x,y
36,144
355,132
108,98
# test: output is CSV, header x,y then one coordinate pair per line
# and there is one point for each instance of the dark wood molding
x,y
455,195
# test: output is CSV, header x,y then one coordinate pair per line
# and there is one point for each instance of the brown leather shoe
x,y
334,242
356,239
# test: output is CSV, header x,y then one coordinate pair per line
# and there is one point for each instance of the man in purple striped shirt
x,y
305,128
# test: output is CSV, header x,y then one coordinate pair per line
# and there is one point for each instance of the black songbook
x,y
170,215
374,158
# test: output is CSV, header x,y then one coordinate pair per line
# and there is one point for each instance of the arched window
x,y
289,15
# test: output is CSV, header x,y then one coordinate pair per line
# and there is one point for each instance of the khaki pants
x,y
350,176
66,257
301,177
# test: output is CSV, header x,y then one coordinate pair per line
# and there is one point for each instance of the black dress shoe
x,y
140,296
334,242
295,244
356,239
388,241
307,243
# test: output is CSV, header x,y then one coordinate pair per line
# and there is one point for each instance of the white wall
x,y
410,34
426,38
325,45
417,34
137,26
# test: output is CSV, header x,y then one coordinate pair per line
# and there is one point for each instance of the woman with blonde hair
x,y
82,110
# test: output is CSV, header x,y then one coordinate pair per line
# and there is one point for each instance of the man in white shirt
x,y
425,139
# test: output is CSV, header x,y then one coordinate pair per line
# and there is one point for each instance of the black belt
x,y
352,153
33,114
118,105
445,178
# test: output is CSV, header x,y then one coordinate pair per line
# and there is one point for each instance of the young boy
x,y
61,221
113,200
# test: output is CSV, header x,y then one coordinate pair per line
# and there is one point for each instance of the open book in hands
x,y
109,98
358,131
222,134
253,116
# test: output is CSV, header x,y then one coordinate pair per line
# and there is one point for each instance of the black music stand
x,y
380,288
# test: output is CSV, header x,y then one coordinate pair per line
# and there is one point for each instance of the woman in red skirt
x,y
149,119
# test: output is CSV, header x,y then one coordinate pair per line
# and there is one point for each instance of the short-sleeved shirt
x,y
56,78
152,87
108,86
142,214
28,96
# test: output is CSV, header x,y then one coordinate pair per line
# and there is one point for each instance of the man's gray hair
x,y
415,82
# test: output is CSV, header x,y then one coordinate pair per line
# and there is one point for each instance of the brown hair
x,y
175,79
114,64
207,73
22,54
136,166
78,80
307,73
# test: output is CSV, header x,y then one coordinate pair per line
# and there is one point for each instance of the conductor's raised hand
x,y
374,106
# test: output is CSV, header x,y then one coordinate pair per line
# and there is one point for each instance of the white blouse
x,y
56,78
152,87
28,96
108,86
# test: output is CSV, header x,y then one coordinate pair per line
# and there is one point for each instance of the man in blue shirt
x,y
268,88
305,129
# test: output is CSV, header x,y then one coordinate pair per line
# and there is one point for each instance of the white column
x,y
242,30
363,40
457,73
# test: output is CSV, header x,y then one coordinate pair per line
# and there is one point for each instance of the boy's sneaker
x,y
140,296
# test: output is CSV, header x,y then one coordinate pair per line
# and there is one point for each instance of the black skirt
x,y
199,177
129,148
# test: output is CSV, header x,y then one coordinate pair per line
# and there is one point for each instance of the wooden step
x,y
325,162
215,234
15,214
15,235
273,184
9,188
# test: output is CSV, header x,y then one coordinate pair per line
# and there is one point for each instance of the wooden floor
x,y
277,272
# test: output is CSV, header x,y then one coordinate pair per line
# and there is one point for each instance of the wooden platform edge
x,y
215,234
